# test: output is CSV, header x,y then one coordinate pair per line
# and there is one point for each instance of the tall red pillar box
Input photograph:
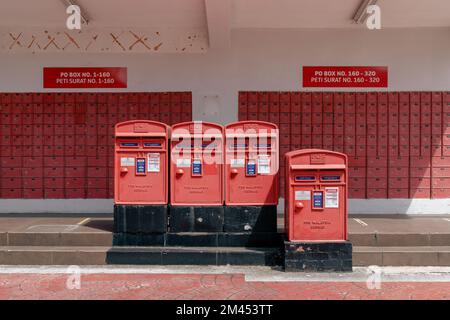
x,y
196,178
316,211
141,182
141,163
251,177
251,163
196,164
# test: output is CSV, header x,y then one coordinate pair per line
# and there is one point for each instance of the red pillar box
x,y
141,183
196,164
141,162
251,177
316,211
196,181
251,163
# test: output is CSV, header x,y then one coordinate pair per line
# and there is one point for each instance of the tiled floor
x,y
203,286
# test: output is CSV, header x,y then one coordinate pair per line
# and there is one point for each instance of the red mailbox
x,y
316,197
251,166
196,164
141,162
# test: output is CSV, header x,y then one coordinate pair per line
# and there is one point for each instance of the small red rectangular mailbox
x,y
196,164
316,197
141,162
251,163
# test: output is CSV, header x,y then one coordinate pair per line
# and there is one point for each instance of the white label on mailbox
x,y
263,164
303,195
127,162
331,197
153,162
237,163
183,163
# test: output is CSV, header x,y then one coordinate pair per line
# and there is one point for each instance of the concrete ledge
x,y
399,206
56,206
402,256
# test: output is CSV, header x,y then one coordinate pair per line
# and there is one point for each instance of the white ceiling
x,y
336,13
107,13
243,13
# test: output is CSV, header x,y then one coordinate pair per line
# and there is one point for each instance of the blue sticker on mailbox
x,y
196,167
209,145
140,166
262,145
251,168
151,144
318,200
129,144
305,178
238,146
330,178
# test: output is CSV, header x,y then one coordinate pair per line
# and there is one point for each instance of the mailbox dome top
x,y
315,156
142,127
197,126
252,124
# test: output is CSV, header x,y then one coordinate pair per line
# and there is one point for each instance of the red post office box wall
x,y
397,136
52,143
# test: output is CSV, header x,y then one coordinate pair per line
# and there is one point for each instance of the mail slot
x,y
196,164
251,166
316,197
141,162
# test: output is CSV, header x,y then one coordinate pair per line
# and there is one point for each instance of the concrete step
x,y
370,239
194,256
402,256
50,255
101,255
56,239
400,239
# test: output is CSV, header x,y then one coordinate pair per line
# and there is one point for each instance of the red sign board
x,y
352,77
76,78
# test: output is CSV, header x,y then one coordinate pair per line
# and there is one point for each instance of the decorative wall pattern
x,y
104,40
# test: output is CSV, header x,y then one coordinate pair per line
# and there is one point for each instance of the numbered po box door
x,y
196,164
316,196
251,163
141,162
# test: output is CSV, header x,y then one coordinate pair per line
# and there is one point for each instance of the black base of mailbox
x,y
318,256
194,256
255,239
196,219
139,239
200,239
192,239
140,219
250,219
224,239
